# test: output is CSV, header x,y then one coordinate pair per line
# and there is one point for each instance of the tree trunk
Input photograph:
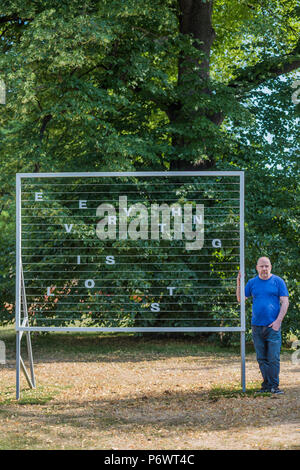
x,y
195,19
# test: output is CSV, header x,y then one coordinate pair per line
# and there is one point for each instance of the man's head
x,y
264,268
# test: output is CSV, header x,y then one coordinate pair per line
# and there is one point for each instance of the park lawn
x,y
118,392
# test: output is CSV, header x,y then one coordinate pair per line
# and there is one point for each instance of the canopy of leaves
x,y
156,85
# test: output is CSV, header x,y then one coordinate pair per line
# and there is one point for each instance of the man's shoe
x,y
277,391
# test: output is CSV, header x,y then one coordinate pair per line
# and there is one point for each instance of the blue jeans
x,y
267,344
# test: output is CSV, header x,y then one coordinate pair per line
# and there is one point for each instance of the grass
x,y
232,391
121,343
13,442
108,391
38,396
105,343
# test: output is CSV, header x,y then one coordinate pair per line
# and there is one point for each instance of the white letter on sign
x,y
68,228
49,291
155,308
82,204
171,290
38,197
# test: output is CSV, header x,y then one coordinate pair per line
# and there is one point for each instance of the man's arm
x,y
284,301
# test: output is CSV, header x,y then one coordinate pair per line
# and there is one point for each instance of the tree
x,y
164,84
147,82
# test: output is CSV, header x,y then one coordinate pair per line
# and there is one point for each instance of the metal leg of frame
x,y
19,361
243,360
30,358
27,377
18,364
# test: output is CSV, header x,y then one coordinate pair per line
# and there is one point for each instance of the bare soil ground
x,y
153,397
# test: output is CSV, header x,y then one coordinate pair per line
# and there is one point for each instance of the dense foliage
x,y
156,85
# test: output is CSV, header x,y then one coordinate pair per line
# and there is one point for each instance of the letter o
x,y
89,283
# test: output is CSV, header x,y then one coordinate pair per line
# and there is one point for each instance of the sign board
x,y
143,251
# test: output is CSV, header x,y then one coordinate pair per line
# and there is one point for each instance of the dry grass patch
x,y
127,393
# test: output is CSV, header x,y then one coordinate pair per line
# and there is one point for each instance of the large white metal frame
x,y
22,324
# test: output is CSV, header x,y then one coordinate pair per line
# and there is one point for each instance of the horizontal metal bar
x,y
134,256
97,240
129,329
136,185
41,208
128,247
90,216
187,191
40,263
107,272
146,290
138,319
124,295
144,310
126,279
91,303
140,185
137,197
144,248
127,315
134,303
130,295
212,226
126,312
49,232
131,287
129,173
145,187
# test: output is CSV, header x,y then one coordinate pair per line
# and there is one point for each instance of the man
x,y
270,304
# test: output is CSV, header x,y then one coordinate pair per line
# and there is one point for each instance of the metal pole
x,y
18,283
243,361
242,269
18,362
18,251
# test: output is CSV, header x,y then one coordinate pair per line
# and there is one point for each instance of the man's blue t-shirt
x,y
266,302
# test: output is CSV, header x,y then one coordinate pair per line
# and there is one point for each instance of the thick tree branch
x,y
257,74
45,121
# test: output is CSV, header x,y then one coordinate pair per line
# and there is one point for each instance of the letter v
x,y
68,228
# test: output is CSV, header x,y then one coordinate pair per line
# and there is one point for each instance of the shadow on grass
x,y
168,409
